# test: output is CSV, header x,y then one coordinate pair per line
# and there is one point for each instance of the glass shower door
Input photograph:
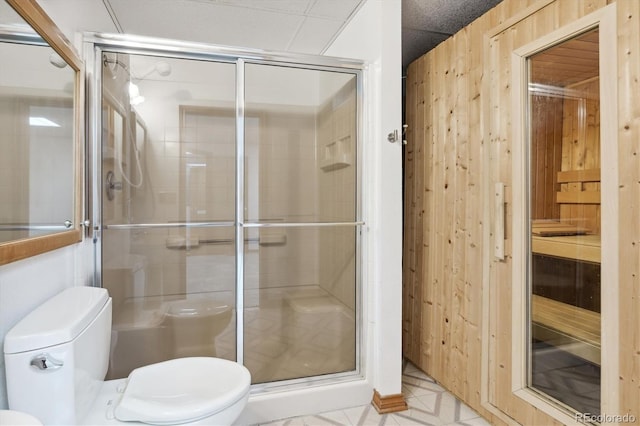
x,y
300,222
230,214
168,208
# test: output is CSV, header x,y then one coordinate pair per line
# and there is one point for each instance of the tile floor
x,y
429,404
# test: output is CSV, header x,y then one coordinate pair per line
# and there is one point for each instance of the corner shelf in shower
x,y
337,154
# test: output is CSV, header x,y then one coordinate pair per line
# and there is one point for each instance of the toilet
x,y
56,360
147,330
16,418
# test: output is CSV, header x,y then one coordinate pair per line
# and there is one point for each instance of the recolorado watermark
x,y
605,418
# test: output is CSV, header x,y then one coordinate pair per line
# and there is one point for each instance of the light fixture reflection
x,y
42,122
134,94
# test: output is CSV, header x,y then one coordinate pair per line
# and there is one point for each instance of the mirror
x,y
41,122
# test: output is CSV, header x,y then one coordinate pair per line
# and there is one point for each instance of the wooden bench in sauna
x,y
573,329
568,240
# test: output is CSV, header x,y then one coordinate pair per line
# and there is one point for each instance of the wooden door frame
x,y
605,20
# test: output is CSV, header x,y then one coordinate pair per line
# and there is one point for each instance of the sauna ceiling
x,y
302,26
571,62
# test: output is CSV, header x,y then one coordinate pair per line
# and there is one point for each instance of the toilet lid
x,y
182,390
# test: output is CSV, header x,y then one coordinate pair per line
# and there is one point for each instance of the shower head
x,y
162,68
57,61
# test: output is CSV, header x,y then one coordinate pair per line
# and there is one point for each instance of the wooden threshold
x,y
389,403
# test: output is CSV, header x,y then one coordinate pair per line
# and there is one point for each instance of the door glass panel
x,y
168,208
300,300
564,184
300,145
300,170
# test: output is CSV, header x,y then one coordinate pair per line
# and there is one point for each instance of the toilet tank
x,y
57,356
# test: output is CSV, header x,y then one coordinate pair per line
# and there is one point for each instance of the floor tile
x,y
429,404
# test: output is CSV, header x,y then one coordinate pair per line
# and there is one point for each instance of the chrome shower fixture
x,y
161,67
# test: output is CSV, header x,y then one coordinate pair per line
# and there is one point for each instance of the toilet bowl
x,y
194,325
153,329
56,360
16,418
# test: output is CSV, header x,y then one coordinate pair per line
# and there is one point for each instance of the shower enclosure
x,y
226,195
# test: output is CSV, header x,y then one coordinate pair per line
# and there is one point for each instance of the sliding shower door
x,y
300,220
168,208
229,211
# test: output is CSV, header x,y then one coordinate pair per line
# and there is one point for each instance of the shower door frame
x,y
96,43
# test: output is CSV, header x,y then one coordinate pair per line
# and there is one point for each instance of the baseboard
x,y
388,403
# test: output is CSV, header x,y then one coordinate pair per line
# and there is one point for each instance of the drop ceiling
x,y
302,26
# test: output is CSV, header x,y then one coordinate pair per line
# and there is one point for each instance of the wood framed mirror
x,y
41,113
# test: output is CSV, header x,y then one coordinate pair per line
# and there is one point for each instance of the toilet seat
x,y
182,390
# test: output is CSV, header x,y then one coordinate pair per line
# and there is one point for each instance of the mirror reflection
x,y
37,143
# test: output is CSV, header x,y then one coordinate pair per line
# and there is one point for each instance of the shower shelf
x,y
337,154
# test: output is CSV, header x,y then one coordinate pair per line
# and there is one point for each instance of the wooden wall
x,y
546,155
581,151
629,195
456,137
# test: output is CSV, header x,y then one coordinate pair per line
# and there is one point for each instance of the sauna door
x,y
551,217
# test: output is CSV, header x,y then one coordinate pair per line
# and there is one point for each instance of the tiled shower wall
x,y
195,165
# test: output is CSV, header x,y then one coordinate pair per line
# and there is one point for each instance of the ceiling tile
x,y
79,15
8,16
207,22
287,6
334,9
314,35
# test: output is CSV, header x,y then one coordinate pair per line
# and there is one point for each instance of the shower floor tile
x,y
284,343
429,404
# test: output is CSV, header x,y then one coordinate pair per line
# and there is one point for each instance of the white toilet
x,y
56,360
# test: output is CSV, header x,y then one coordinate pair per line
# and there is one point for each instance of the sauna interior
x,y
564,119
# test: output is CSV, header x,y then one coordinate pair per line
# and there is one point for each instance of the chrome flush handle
x,y
45,362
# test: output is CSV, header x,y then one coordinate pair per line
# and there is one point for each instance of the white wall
x,y
26,284
374,36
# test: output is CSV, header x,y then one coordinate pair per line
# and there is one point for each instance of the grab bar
x,y
169,225
20,227
228,224
300,224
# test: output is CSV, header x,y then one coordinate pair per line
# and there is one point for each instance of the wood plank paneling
x,y
578,197
458,124
588,175
414,213
546,159
629,196
581,152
